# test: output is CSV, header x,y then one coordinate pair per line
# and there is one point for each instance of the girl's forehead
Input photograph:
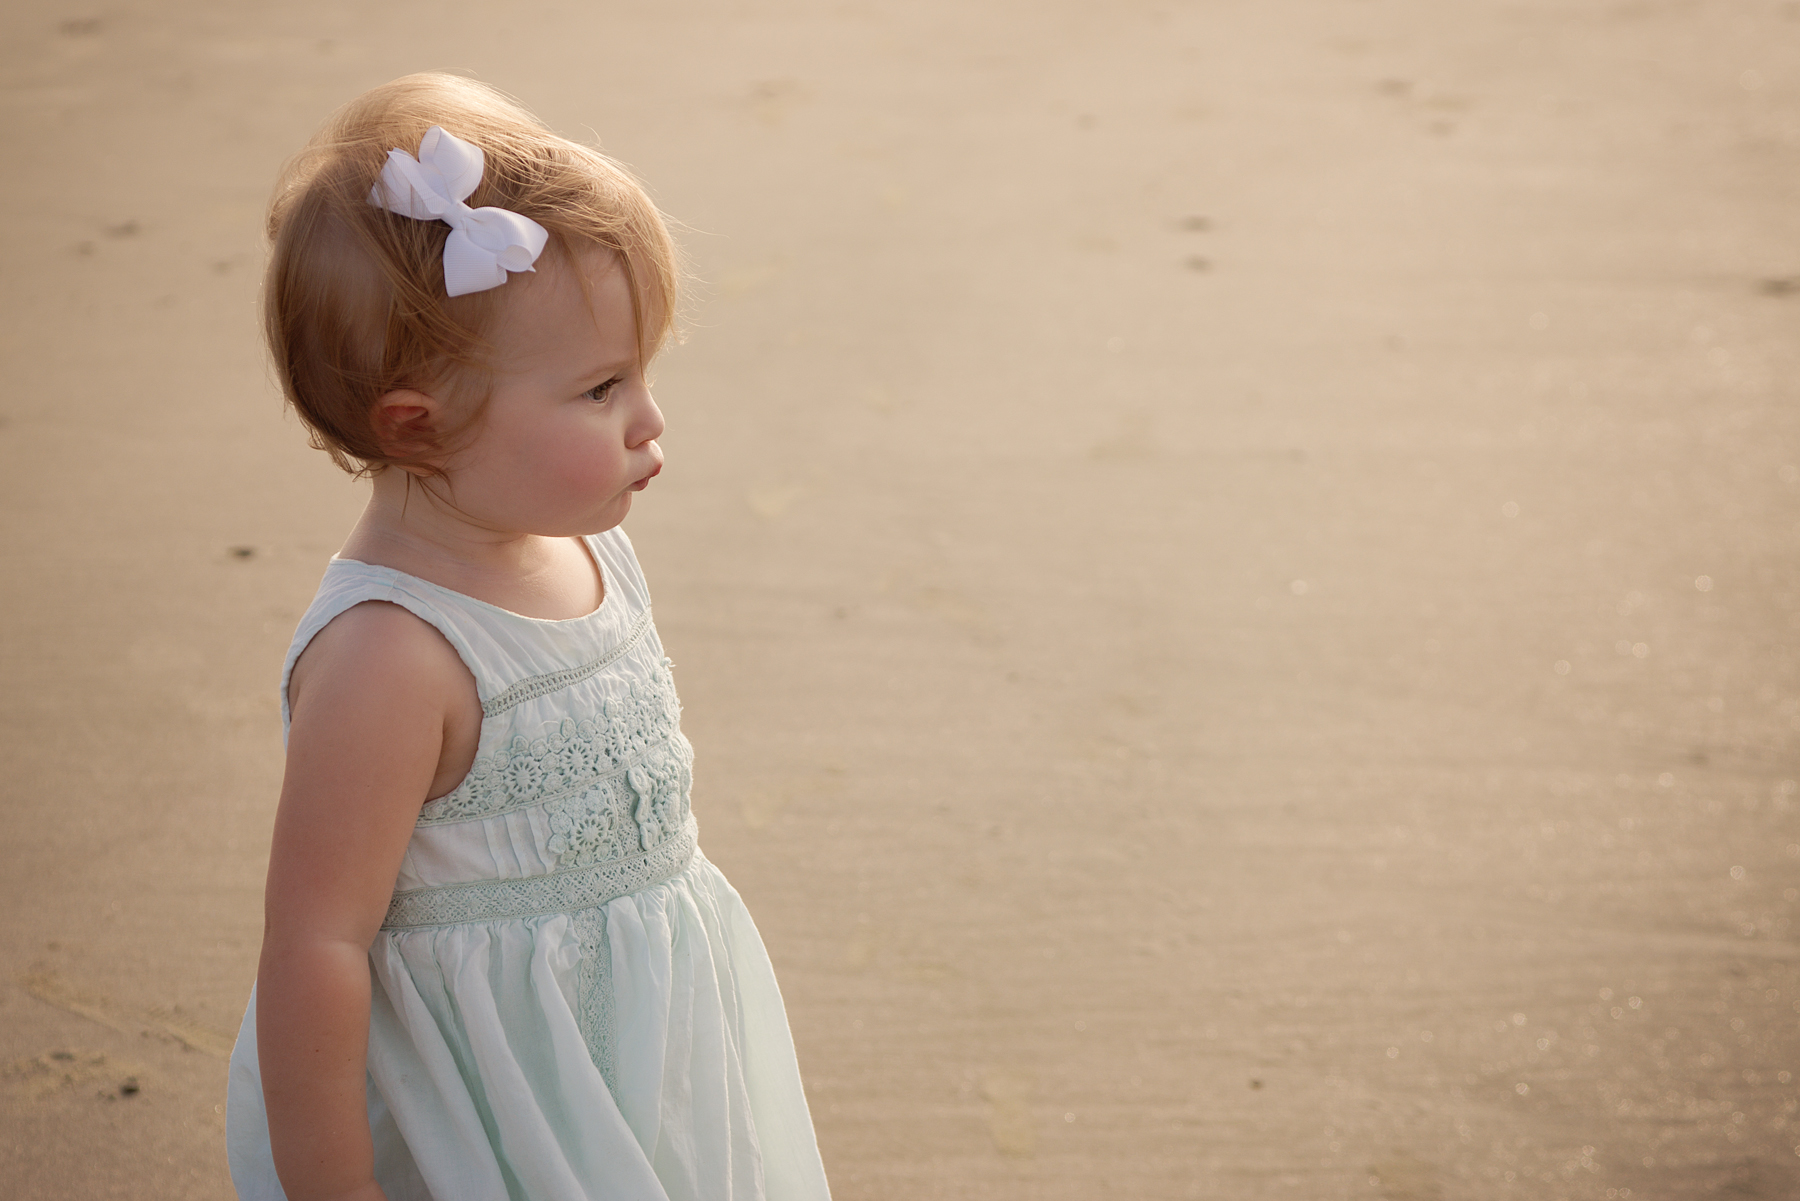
x,y
580,301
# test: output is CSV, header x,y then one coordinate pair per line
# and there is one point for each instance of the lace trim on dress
x,y
551,681
567,756
568,891
594,990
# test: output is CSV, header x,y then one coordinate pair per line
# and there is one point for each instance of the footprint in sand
x,y
66,1070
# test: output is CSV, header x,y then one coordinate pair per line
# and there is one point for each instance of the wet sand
x,y
1232,569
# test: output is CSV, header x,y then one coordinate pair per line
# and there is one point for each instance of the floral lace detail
x,y
595,825
585,828
663,784
568,756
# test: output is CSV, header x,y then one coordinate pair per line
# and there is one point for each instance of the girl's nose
x,y
649,424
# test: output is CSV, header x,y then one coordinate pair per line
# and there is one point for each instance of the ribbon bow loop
x,y
484,243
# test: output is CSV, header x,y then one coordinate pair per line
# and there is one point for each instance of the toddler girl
x,y
495,964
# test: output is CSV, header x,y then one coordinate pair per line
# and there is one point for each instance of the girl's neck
x,y
409,526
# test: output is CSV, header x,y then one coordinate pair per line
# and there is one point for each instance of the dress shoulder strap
x,y
618,561
348,583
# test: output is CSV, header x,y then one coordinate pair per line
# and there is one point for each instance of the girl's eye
x,y
600,391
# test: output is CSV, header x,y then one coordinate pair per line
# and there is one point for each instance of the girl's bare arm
x,y
369,700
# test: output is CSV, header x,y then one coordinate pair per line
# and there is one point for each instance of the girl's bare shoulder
x,y
380,696
381,651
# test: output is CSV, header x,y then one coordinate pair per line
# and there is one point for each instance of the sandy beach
x,y
1234,570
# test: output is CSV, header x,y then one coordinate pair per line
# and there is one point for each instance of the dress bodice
x,y
581,761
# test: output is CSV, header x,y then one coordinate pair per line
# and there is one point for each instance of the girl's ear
x,y
408,424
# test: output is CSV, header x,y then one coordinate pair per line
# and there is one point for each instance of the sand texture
x,y
1234,569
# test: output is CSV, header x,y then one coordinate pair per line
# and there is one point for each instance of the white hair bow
x,y
485,243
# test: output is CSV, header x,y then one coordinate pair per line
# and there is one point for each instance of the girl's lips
x,y
645,482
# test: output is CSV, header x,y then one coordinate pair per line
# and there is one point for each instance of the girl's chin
x,y
598,522
616,512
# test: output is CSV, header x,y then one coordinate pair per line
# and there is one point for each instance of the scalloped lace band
x,y
559,892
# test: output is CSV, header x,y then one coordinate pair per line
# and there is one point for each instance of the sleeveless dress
x,y
569,1002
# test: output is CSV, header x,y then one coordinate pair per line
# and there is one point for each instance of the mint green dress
x,y
570,1003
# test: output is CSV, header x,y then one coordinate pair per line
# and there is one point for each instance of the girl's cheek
x,y
585,471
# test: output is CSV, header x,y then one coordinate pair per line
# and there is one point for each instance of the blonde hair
x,y
353,301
